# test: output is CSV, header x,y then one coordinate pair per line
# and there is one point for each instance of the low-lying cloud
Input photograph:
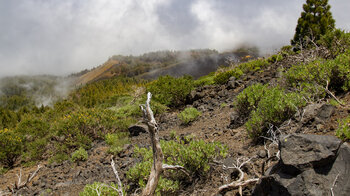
x,y
63,36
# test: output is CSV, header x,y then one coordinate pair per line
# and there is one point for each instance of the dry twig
x,y
120,186
240,162
19,185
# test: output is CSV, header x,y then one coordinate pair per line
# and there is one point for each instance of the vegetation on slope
x,y
103,110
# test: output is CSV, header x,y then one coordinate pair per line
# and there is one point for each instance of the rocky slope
x,y
218,122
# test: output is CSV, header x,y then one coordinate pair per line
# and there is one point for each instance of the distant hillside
x,y
175,63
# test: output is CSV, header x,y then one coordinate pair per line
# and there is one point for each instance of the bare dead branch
x,y
331,94
120,186
234,185
335,180
177,167
240,162
19,185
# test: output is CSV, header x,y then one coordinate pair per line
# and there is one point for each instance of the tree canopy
x,y
315,21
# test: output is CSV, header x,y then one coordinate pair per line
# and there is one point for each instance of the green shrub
x,y
79,155
254,65
315,71
319,72
287,50
127,107
189,115
171,91
336,41
194,155
116,141
239,70
343,131
103,92
35,150
104,190
11,146
223,77
249,98
81,127
8,118
275,58
274,108
58,158
33,128
205,80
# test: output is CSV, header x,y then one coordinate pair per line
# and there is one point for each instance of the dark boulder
x,y
317,111
309,165
235,120
136,129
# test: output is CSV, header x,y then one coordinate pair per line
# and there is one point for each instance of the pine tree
x,y
315,21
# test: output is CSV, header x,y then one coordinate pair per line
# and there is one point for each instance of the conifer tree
x,y
315,21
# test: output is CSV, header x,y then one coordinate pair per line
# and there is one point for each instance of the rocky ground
x,y
218,122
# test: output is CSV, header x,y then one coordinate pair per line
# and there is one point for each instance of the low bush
x,y
58,157
116,141
8,118
343,131
11,147
249,98
319,72
33,128
275,58
103,92
81,127
254,65
336,41
275,107
240,69
205,80
189,115
171,91
103,189
264,106
35,150
79,155
127,106
223,77
194,155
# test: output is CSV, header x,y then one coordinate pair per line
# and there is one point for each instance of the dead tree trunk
x,y
157,166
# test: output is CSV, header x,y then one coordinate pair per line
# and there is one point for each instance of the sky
x,y
60,37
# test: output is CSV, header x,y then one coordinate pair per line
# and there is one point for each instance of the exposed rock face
x,y
309,165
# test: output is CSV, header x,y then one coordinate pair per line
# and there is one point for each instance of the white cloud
x,y
62,36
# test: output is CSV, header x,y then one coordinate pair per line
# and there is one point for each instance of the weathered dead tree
x,y
19,184
158,167
240,162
